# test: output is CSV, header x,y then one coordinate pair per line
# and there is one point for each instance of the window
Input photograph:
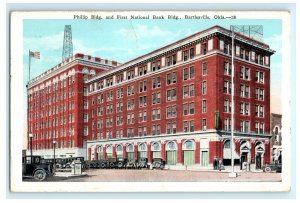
x,y
119,106
259,111
244,90
156,82
109,96
259,128
171,78
185,74
245,108
204,127
188,91
119,78
192,53
130,74
204,48
156,98
188,109
174,59
227,106
204,87
130,104
130,118
119,120
142,86
171,112
130,90
185,55
130,132
259,94
242,53
168,61
142,116
188,73
109,109
204,107
227,87
171,95
142,70
227,68
204,68
227,124
259,76
156,129
192,72
171,128
245,73
188,126
156,114
109,122
244,126
120,93
143,101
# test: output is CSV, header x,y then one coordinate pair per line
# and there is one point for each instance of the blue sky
x,y
123,40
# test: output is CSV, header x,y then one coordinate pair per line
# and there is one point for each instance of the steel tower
x,y
68,45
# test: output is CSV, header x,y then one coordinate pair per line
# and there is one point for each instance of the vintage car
x,y
143,163
131,164
272,167
158,163
32,167
121,163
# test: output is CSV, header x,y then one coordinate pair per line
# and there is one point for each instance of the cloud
x,y
139,31
275,43
52,42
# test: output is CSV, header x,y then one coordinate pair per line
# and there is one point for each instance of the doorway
x,y
243,159
258,160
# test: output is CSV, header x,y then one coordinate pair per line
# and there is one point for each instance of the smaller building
x,y
276,139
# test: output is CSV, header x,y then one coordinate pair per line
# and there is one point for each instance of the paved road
x,y
165,175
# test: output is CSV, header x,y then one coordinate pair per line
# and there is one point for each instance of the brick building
x,y
55,105
276,140
175,103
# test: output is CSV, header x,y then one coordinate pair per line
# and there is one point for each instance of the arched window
x,y
189,152
130,152
109,151
119,151
85,70
171,153
100,152
142,150
171,146
227,144
92,72
156,150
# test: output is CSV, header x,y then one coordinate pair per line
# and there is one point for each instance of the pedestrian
x,y
220,164
215,163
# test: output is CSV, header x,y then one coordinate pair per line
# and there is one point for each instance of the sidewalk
x,y
69,174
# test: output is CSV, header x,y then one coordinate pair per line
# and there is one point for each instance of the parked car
x,y
272,167
131,164
158,163
33,167
143,163
121,163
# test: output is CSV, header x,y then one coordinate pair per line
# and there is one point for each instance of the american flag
x,y
35,54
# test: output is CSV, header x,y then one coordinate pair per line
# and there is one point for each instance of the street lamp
x,y
54,167
30,139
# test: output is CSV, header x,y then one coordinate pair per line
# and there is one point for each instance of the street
x,y
115,175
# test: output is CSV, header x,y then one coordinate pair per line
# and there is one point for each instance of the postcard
x,y
150,101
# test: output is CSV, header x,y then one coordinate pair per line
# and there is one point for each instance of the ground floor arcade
x,y
187,150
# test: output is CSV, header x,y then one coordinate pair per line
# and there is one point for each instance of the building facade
x,y
56,103
175,103
276,139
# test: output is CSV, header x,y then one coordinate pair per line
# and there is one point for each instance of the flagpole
x,y
29,67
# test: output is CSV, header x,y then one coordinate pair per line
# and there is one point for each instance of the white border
x,y
17,126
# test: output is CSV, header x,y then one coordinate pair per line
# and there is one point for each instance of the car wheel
x,y
39,174
268,170
120,165
102,165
